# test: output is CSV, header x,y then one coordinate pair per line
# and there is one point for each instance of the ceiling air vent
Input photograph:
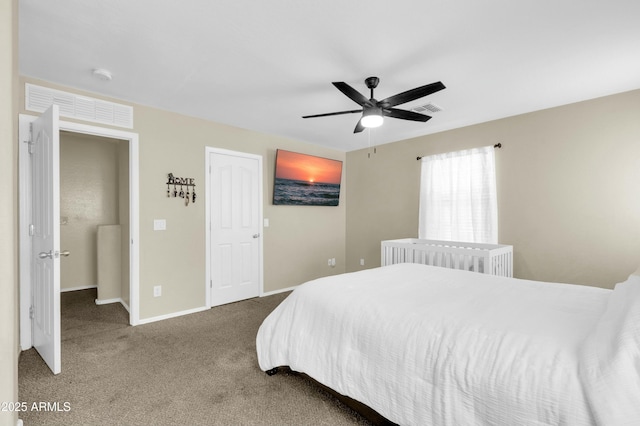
x,y
39,99
428,108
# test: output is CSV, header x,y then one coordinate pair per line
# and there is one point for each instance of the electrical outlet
x,y
157,291
361,262
329,262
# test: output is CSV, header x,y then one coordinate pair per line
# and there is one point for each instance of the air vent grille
x,y
39,99
431,108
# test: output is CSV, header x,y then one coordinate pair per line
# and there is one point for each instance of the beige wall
x,y
567,182
297,243
89,196
8,209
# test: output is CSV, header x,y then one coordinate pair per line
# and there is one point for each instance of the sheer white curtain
x,y
458,197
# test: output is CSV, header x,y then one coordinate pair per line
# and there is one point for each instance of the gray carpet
x,y
199,369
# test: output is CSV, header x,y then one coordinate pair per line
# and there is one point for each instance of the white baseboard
x,y
282,290
107,301
84,287
172,315
116,300
19,422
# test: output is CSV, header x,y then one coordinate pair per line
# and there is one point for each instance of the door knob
x,y
256,235
44,254
51,254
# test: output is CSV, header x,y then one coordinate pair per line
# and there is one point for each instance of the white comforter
x,y
425,345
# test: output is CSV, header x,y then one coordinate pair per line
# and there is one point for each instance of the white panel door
x,y
235,205
45,277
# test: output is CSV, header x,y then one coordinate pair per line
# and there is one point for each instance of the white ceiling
x,y
261,65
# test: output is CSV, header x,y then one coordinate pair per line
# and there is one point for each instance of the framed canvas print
x,y
306,180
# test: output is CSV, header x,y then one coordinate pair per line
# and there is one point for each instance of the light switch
x,y
159,225
266,222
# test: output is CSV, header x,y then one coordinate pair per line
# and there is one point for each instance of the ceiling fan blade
x,y
405,115
359,127
411,95
332,113
352,93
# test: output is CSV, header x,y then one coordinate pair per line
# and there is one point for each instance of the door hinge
x,y
30,141
211,283
31,312
32,230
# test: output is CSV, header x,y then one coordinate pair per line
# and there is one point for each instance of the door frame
x,y
24,177
207,214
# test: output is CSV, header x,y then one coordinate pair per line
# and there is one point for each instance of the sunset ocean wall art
x,y
306,180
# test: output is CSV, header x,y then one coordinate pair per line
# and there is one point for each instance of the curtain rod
x,y
498,145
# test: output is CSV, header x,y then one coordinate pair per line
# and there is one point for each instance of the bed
x,y
425,345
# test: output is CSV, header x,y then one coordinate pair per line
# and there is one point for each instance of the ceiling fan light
x,y
372,118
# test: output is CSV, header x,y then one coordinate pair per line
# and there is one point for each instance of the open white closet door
x,y
45,230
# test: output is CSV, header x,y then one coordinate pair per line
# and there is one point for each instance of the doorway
x,y
132,237
94,215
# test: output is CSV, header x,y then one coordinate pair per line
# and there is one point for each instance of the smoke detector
x,y
102,74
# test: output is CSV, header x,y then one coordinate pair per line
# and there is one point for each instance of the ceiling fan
x,y
373,110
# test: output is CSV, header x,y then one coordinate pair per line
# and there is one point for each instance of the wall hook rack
x,y
189,183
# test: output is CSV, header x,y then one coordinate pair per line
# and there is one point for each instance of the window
x,y
458,197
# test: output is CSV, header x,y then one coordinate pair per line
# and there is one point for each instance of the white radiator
x,y
495,259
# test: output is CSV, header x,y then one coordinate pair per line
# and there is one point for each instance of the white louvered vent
x,y
38,99
431,108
